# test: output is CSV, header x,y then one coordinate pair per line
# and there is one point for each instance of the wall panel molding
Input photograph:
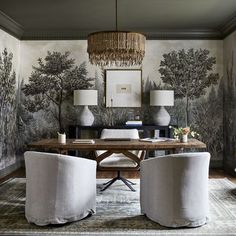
x,y
151,35
10,26
15,29
229,26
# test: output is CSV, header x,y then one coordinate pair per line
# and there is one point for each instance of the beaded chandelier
x,y
118,48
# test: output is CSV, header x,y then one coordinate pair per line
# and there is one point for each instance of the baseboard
x,y
216,164
8,170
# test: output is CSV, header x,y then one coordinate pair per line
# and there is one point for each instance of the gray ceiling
x,y
71,19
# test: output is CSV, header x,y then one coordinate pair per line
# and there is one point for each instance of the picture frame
x,y
123,88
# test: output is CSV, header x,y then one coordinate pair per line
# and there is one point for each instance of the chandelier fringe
x,y
116,48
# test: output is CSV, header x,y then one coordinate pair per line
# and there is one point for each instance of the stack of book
x,y
134,122
84,141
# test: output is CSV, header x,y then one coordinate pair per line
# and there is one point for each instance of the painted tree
x,y
177,113
26,124
148,85
208,120
230,115
7,81
7,104
188,73
53,81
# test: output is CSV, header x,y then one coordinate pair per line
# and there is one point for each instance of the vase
x,y
86,117
162,117
61,138
184,138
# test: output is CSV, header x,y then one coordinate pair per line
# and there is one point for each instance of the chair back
x,y
174,189
59,188
120,133
126,160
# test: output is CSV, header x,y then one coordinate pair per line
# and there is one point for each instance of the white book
x,y
134,122
89,141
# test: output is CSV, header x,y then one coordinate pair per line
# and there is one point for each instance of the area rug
x,y
118,213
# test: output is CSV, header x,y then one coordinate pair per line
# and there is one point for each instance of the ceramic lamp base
x,y
86,118
162,117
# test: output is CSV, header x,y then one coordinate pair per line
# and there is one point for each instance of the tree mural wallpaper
x,y
53,82
230,116
47,97
188,73
27,127
7,107
207,114
198,101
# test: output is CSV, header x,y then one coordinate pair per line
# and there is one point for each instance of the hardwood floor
x,y
20,173
214,173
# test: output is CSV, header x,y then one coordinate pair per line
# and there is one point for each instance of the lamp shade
x,y
162,98
85,97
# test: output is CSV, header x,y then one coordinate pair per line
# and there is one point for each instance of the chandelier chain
x,y
116,16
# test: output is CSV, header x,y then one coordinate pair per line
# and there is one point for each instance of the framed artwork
x,y
123,88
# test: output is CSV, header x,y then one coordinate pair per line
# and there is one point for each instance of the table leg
x,y
62,151
92,155
176,150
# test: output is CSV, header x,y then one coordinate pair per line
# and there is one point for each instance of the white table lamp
x,y
162,98
86,98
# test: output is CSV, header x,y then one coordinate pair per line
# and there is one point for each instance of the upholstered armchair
x,y
59,188
119,161
174,189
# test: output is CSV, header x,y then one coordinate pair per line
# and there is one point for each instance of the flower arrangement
x,y
179,132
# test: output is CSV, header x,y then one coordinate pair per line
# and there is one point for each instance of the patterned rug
x,y
118,213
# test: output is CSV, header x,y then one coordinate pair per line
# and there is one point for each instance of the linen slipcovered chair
x,y
174,189
59,188
122,161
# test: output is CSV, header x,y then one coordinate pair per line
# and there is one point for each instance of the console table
x,y
75,130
